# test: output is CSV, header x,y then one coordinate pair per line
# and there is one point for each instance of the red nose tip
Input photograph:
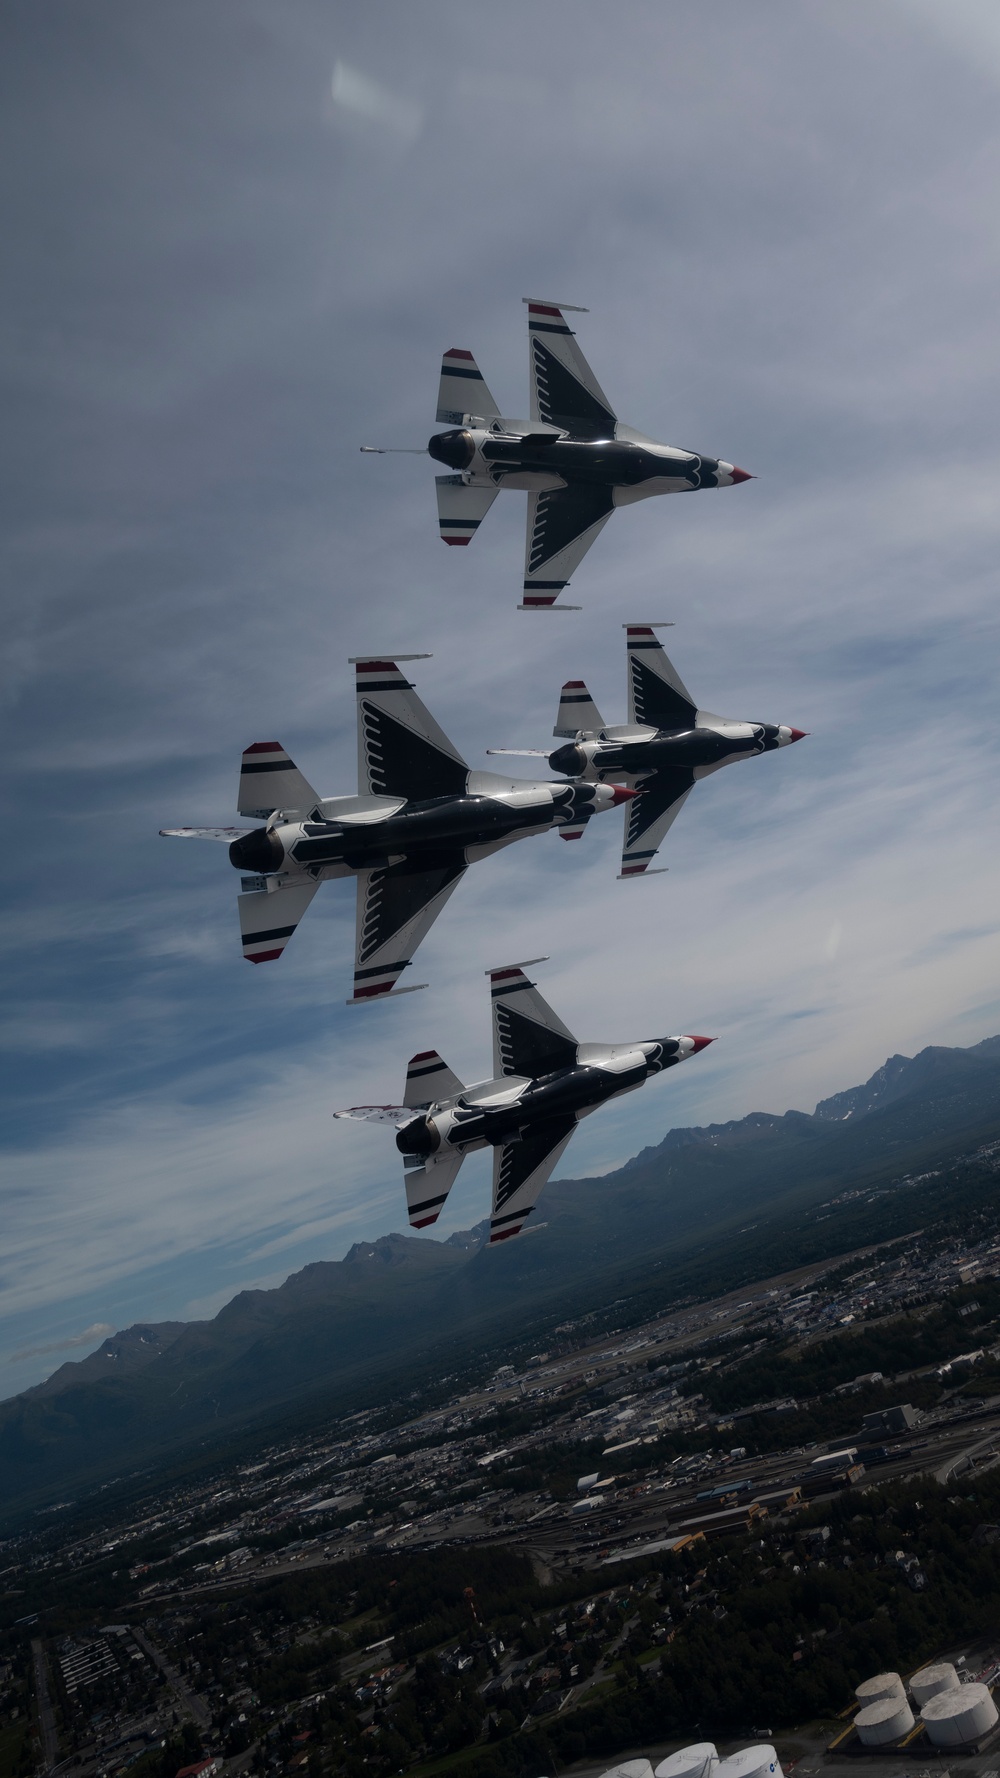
x,y
700,1043
743,475
620,795
798,734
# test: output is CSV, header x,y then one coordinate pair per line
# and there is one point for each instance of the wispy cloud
x,y
234,304
91,1336
366,99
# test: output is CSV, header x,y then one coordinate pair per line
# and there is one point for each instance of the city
x,y
227,1614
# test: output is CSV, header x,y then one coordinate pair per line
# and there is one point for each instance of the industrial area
x,y
586,1517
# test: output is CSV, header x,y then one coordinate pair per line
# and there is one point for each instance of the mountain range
x,y
654,1228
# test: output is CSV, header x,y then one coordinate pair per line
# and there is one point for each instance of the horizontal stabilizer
x,y
429,1079
269,780
578,714
268,918
462,391
427,1187
461,510
657,695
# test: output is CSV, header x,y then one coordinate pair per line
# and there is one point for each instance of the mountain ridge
x,y
334,1323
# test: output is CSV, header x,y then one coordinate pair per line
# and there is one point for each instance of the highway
x,y
46,1714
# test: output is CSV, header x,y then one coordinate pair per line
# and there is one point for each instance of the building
x,y
887,1420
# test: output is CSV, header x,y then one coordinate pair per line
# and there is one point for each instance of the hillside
x,y
156,1388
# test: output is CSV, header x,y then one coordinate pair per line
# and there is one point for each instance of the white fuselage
x,y
344,835
500,1110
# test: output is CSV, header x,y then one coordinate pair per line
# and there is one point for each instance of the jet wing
x,y
564,389
562,525
428,1185
520,1170
397,906
528,1037
649,815
461,510
269,917
401,749
657,695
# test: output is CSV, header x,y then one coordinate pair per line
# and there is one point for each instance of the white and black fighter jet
x,y
574,457
665,747
544,1083
420,818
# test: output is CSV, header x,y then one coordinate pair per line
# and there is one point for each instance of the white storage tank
x,y
931,1680
695,1761
750,1762
631,1768
884,1685
962,1714
883,1722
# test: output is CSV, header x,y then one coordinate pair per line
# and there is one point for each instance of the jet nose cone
x,y
741,475
798,734
699,1043
619,794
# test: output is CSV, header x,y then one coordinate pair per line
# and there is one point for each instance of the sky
x,y
238,238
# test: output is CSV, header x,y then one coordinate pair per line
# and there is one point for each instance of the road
x,y
189,1700
46,1714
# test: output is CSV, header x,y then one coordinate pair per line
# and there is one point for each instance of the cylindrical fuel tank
x,y
883,1685
930,1680
696,1761
962,1714
759,1761
888,1719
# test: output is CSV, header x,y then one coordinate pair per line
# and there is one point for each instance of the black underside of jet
x,y
556,1097
581,462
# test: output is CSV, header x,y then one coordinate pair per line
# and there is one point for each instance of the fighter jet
x,y
574,457
666,746
420,818
544,1083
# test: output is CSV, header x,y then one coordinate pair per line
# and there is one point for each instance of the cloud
x,y
89,1337
209,324
361,97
